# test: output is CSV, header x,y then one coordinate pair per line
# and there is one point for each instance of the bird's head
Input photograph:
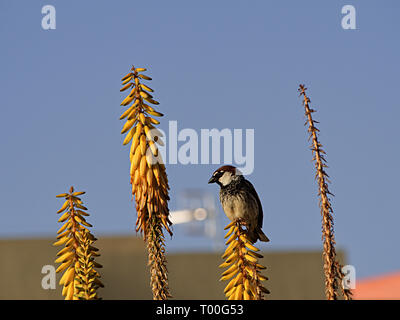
x,y
225,175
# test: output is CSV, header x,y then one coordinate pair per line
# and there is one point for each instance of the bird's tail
x,y
257,234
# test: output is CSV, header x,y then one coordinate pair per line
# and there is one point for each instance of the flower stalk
x,y
148,176
332,269
80,280
241,258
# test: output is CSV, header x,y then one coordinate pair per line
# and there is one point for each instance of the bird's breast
x,y
237,205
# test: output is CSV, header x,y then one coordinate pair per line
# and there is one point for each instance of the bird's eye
x,y
217,174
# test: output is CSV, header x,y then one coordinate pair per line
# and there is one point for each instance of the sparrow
x,y
240,201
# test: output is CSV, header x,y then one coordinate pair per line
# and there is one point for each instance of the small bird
x,y
240,201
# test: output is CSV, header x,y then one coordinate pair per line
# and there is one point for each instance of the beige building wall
x,y
292,275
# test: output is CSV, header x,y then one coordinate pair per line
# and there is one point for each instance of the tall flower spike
x,y
148,176
80,279
332,269
244,270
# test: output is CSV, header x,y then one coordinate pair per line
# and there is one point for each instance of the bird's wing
x,y
255,195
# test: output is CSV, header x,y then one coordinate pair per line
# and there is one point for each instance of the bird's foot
x,y
240,222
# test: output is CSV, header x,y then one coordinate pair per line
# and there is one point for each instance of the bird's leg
x,y
241,222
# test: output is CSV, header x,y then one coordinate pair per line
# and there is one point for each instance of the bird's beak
x,y
212,179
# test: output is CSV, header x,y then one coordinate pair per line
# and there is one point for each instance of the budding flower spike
x,y
148,176
244,271
80,280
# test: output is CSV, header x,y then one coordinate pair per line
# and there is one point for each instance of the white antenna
x,y
198,214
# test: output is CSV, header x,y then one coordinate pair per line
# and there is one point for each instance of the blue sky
x,y
225,64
